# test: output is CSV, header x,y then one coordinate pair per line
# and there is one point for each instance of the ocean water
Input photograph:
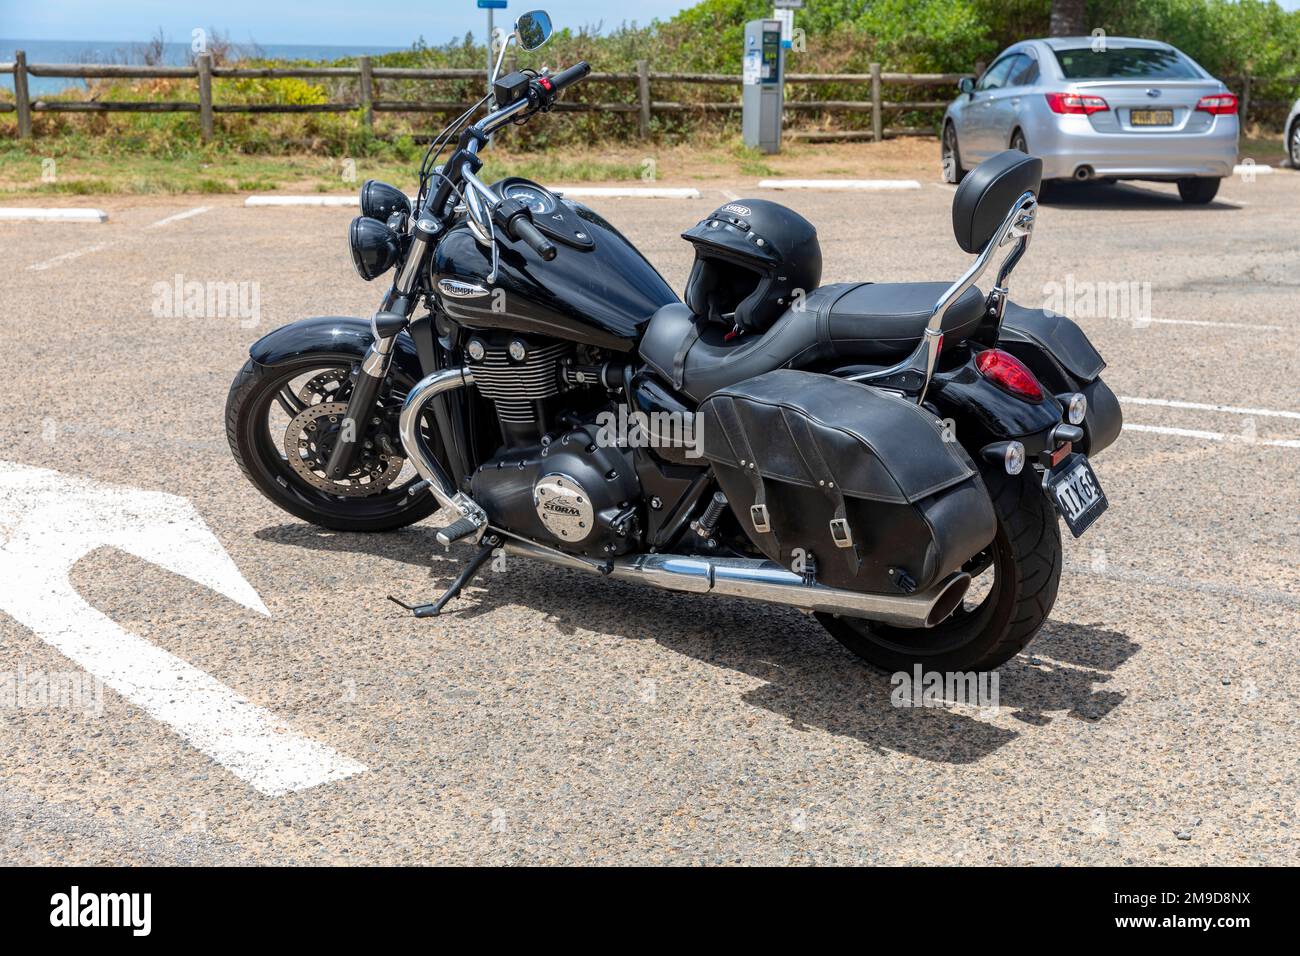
x,y
174,54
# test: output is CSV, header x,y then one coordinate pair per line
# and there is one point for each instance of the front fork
x,y
393,315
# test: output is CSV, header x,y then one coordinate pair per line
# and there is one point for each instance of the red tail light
x,y
1076,103
1009,374
1221,104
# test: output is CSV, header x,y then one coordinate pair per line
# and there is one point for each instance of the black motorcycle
x,y
891,457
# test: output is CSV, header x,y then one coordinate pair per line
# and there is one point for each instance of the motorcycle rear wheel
x,y
1025,560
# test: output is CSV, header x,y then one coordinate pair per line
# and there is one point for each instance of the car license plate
x,y
1151,117
1077,493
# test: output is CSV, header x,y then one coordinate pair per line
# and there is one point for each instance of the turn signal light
x,y
1009,374
1221,104
1076,103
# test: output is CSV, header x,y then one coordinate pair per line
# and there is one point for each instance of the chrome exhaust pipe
x,y
767,581
1083,174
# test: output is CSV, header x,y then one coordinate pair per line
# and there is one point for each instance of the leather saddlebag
x,y
862,481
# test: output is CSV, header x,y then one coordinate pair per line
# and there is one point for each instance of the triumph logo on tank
x,y
628,428
192,299
73,909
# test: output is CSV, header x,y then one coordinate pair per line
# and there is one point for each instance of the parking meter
x,y
763,90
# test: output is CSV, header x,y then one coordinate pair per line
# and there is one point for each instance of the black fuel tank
x,y
603,295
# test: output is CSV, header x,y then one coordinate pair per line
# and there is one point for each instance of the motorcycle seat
x,y
878,323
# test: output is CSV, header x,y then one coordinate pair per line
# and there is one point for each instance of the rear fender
x,y
1062,358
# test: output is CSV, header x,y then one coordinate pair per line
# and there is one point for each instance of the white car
x,y
1123,109
1293,135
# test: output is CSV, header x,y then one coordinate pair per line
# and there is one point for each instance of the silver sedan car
x,y
1098,108
1293,136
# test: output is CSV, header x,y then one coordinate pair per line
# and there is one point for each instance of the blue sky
x,y
348,22
377,22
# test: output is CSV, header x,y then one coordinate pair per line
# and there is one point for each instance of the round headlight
x,y
380,200
1077,408
374,247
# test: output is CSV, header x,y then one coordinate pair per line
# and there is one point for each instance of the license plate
x,y
1077,493
1151,117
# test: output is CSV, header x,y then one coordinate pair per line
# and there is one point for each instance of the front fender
x,y
330,336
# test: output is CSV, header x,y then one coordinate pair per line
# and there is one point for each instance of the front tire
x,y
1025,560
258,447
1198,191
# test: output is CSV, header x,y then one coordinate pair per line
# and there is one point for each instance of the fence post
x,y
643,95
204,64
367,94
877,124
1245,100
20,95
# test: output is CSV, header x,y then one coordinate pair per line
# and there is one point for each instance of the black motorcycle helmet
x,y
750,257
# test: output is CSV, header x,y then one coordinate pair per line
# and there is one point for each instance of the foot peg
x,y
458,530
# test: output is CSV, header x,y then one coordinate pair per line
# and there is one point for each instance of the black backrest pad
x,y
877,446
985,196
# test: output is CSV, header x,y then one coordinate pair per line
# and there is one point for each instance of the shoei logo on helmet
x,y
738,209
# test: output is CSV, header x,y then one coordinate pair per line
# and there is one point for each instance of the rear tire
x,y
1198,191
1025,559
1293,140
950,155
1018,142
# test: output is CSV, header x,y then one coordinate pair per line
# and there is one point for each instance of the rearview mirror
x,y
966,85
533,29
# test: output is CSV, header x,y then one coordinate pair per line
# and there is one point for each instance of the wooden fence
x,y
369,101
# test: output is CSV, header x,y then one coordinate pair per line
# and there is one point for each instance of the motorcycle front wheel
x,y
281,423
1013,589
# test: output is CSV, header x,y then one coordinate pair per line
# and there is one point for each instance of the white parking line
x,y
197,211
626,192
831,184
302,201
1205,407
52,521
1205,323
66,257
1251,169
25,214
1212,436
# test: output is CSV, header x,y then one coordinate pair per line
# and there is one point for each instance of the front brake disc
x,y
309,440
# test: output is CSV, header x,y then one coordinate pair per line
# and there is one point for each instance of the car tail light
x,y
1220,104
1009,374
1076,103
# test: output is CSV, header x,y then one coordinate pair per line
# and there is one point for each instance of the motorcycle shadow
x,y
805,676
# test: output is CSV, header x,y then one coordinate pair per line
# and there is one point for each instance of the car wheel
x,y
1198,191
1295,145
1018,142
950,156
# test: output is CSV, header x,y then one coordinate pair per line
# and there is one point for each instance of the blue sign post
x,y
489,6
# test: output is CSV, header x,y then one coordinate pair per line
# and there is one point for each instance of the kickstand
x,y
462,579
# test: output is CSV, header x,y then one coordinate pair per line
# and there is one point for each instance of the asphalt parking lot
x,y
552,717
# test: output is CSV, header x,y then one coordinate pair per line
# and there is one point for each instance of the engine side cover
x,y
573,493
564,507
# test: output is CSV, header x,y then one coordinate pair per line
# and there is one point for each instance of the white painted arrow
x,y
48,522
